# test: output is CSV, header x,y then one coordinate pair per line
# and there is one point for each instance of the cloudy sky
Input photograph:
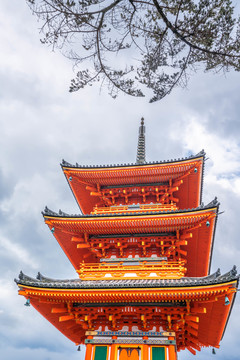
x,y
41,123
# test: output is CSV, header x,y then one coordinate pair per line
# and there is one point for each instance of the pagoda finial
x,y
141,144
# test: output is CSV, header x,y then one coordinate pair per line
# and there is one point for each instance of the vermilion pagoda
x,y
142,249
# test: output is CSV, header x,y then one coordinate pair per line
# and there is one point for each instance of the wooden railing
x,y
163,270
133,208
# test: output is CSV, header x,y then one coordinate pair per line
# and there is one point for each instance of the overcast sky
x,y
41,123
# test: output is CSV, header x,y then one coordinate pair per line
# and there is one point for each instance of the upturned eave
x,y
190,193
199,222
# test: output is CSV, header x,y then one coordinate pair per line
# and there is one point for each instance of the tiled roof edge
x,y
191,157
42,281
48,212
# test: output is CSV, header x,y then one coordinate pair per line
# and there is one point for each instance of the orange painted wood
x,y
113,352
208,330
129,354
156,227
172,352
145,350
66,317
89,350
197,251
180,174
192,351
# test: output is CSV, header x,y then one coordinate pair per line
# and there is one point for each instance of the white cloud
x,y
223,152
223,165
9,249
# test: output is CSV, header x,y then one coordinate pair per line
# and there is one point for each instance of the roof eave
x,y
67,165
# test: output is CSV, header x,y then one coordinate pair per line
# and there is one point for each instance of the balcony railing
x,y
134,208
106,271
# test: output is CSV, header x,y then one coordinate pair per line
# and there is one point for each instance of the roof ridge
x,y
213,203
202,153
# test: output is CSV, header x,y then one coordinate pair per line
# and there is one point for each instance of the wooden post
x,y
88,355
113,350
172,350
89,348
145,352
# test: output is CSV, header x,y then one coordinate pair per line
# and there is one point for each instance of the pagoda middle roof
x,y
104,176
200,222
45,282
47,213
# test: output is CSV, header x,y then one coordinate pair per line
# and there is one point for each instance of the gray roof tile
x,y
44,282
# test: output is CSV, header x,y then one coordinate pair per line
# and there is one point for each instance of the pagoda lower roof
x,y
44,282
190,192
197,305
200,222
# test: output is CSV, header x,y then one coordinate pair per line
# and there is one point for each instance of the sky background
x,y
41,123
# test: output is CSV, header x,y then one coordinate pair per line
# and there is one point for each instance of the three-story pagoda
x,y
142,249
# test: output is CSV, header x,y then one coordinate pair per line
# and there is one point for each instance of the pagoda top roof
x,y
44,282
66,164
96,184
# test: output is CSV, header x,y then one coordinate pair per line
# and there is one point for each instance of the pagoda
x,y
142,249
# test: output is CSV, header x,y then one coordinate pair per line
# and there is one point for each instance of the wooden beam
x,y
191,350
199,310
193,325
182,252
192,331
77,239
83,246
177,183
58,310
181,242
93,193
173,189
91,188
66,318
192,318
194,340
186,236
195,346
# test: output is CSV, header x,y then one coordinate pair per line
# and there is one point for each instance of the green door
x,y
100,353
158,353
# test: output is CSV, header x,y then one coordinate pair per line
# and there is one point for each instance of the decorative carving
x,y
49,212
65,163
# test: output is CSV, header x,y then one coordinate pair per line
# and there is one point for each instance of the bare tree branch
x,y
161,41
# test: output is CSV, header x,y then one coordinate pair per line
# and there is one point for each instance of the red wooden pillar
x,y
172,350
89,349
145,349
145,352
113,350
88,355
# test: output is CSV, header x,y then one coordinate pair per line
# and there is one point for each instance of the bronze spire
x,y
141,144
